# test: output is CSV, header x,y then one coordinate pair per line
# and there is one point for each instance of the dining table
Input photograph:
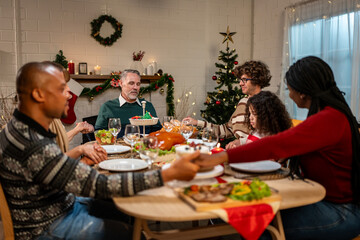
x,y
163,204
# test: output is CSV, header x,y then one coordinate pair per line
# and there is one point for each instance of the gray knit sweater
x,y
40,181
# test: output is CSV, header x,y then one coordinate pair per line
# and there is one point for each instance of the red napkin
x,y
249,221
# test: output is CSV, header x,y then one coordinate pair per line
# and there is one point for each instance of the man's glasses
x,y
244,80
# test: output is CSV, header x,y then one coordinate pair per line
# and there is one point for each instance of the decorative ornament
x,y
214,77
203,115
224,99
226,67
96,25
217,102
91,98
219,57
140,96
162,91
61,59
220,91
236,62
237,97
218,81
138,56
228,36
229,71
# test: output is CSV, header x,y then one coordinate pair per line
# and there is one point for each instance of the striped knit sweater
x,y
40,182
236,126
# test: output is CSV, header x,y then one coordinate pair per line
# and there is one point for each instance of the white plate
x,y
218,170
257,167
123,165
195,141
144,122
111,149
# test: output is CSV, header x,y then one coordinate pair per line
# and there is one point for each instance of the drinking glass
x,y
114,126
132,134
167,125
186,129
149,149
210,137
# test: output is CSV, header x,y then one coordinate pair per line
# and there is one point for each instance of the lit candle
x,y
97,70
154,65
71,67
150,70
217,149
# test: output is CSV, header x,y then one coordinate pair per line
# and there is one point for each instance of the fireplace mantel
x,y
82,78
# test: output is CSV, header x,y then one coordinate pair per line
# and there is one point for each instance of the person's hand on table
x,y
191,120
233,144
94,152
182,168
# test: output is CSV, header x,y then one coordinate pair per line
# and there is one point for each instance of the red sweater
x,y
323,142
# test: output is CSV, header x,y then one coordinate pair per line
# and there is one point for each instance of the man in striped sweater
x,y
40,182
253,76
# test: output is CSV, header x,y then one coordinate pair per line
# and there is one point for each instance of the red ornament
x,y
217,102
170,78
236,62
98,88
214,77
156,86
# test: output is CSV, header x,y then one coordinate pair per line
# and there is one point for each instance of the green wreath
x,y
96,26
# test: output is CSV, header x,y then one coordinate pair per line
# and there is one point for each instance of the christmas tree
x,y
221,104
61,59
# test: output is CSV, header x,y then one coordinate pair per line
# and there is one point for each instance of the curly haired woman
x,y
253,76
266,115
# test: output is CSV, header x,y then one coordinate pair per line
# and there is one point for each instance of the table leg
x,y
137,229
277,230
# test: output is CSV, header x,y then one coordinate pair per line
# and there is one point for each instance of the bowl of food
x,y
104,137
147,119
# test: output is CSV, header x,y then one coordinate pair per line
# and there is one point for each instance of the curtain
x,y
329,29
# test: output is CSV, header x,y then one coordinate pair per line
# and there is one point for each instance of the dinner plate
x,y
257,167
123,165
195,141
112,149
218,170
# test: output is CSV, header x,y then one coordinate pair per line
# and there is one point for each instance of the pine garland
x,y
112,82
96,25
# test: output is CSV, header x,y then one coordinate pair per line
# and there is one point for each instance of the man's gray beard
x,y
130,96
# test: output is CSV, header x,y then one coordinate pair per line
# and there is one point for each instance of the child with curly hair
x,y
265,115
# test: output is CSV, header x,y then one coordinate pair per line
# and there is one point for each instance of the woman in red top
x,y
324,148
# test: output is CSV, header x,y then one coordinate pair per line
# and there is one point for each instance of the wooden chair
x,y
6,217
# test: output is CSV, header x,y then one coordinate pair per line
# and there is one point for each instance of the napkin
x,y
249,221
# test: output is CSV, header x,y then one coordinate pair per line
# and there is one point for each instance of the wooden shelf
x,y
82,78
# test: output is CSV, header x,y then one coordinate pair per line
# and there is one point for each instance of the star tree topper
x,y
228,36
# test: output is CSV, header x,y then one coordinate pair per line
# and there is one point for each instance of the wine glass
x,y
114,126
132,134
210,137
167,125
186,129
149,149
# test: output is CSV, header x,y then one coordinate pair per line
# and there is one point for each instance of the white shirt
x,y
123,101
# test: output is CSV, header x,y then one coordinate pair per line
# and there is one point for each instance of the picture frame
x,y
83,68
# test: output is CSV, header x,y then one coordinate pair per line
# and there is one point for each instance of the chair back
x,y
6,217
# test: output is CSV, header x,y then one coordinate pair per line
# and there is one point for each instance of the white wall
x,y
268,36
181,35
